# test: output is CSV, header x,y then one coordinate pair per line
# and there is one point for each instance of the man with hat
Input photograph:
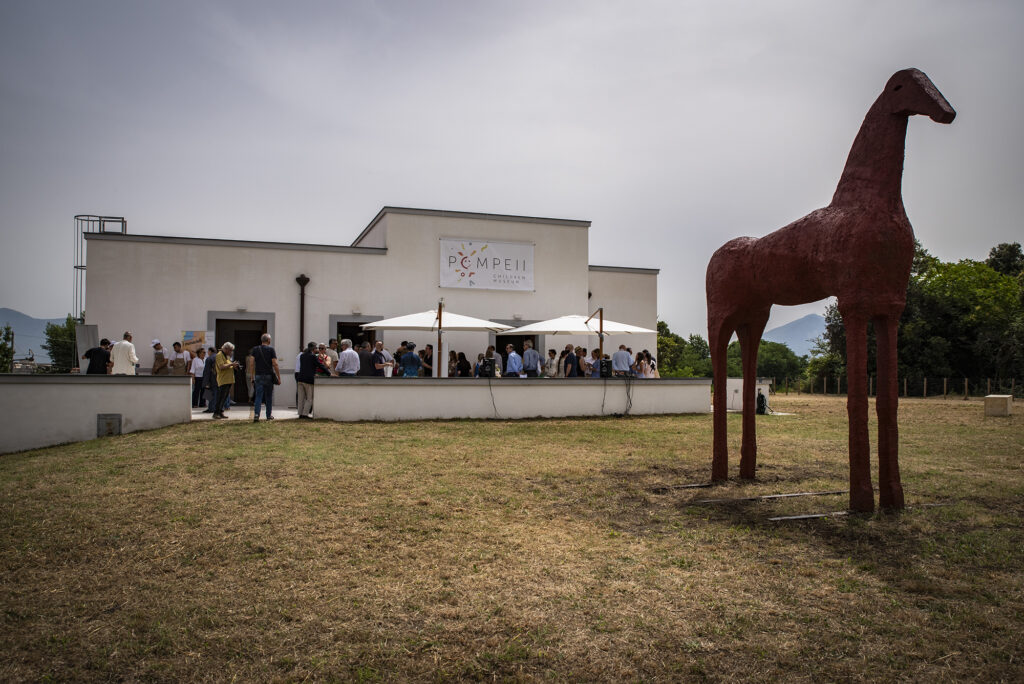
x,y
160,361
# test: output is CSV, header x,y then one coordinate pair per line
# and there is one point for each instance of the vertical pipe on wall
x,y
302,280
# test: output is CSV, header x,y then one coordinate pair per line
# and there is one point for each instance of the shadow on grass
x,y
924,552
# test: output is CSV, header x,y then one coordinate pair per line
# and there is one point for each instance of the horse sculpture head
x,y
911,92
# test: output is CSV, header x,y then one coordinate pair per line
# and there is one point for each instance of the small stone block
x,y
998,404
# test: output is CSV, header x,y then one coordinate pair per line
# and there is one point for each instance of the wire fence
x,y
909,386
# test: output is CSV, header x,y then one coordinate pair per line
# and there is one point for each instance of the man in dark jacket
x,y
571,369
366,365
309,364
99,358
210,380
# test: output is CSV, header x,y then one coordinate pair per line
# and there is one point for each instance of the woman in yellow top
x,y
225,377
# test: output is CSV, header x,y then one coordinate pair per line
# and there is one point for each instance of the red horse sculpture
x,y
858,249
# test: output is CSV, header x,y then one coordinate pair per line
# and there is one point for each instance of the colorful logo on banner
x,y
486,265
462,263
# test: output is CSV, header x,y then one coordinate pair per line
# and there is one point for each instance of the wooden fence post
x,y
945,384
966,394
924,393
989,390
824,384
871,385
904,386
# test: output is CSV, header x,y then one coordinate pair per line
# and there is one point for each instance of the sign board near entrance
x,y
486,264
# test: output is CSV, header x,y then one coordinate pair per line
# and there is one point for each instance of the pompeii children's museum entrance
x,y
497,267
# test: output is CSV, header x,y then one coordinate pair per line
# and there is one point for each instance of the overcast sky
x,y
673,126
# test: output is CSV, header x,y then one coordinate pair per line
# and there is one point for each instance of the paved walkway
x,y
244,412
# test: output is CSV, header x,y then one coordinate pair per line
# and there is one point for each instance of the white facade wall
x,y
628,295
156,287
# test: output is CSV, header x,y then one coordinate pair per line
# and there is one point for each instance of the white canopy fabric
x,y
427,320
576,325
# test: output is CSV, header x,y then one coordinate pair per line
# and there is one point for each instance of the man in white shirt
x,y
195,372
122,355
179,361
514,363
348,360
621,361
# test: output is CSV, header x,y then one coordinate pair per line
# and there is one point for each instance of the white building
x,y
510,269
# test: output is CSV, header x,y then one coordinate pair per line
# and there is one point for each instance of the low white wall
x,y
427,398
42,410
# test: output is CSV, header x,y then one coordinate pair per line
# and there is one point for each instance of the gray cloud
x,y
672,126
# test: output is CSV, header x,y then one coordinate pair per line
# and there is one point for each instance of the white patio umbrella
x,y
437,319
574,324
430,320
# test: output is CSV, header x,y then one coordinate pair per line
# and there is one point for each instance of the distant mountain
x,y
29,333
798,334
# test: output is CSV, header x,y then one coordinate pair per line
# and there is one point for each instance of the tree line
x,y
963,319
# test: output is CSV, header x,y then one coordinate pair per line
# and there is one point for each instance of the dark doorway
x,y
244,335
501,341
352,331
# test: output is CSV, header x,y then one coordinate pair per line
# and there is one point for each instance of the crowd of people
x,y
410,362
213,371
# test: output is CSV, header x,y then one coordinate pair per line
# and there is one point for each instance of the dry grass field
x,y
512,551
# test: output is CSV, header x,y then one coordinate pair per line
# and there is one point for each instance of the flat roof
x,y
353,248
625,269
570,223
214,242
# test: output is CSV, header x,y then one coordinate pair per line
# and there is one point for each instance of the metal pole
x,y
437,352
600,330
302,280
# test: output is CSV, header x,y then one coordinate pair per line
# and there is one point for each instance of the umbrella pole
x,y
600,330
437,350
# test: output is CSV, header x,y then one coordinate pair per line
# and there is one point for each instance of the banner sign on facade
x,y
486,264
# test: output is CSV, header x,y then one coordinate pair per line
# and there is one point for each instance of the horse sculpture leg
x,y
862,496
720,459
890,491
750,340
